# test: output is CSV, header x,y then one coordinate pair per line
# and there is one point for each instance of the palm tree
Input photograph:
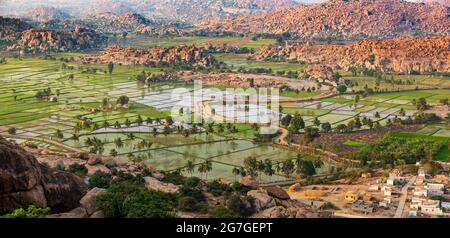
x,y
236,171
118,142
190,167
208,168
201,169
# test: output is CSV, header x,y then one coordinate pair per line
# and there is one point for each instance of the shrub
x,y
12,131
190,204
31,212
78,169
223,212
242,205
100,180
192,192
174,177
131,199
217,188
193,182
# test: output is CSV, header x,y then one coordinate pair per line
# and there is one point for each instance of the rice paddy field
x,y
378,107
21,79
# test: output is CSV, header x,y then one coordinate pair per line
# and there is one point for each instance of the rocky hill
x,y
129,22
11,28
23,181
188,55
345,20
40,40
44,14
189,11
402,55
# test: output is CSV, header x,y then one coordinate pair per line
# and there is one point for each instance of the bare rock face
x,y
63,190
262,200
23,182
17,174
88,202
344,20
155,184
292,209
278,192
401,55
172,55
78,212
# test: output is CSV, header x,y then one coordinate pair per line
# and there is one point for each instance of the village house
x,y
351,196
442,178
396,181
364,207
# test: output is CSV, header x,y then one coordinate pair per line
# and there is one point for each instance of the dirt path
x,y
45,140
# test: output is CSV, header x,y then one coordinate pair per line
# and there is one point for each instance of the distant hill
x,y
189,11
44,14
345,20
11,29
128,22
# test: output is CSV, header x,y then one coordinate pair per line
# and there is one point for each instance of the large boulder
x,y
262,200
24,182
63,190
249,182
278,192
98,167
94,159
78,212
19,171
88,201
11,201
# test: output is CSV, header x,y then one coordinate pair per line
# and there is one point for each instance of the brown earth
x,y
334,141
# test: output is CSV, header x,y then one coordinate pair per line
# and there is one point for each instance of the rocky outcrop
x,y
38,40
131,22
11,28
155,184
23,182
277,192
88,201
189,55
292,209
44,14
262,200
249,182
343,19
401,55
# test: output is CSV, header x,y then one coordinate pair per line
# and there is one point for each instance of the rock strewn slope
x,y
11,28
130,22
345,20
402,55
39,40
190,55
